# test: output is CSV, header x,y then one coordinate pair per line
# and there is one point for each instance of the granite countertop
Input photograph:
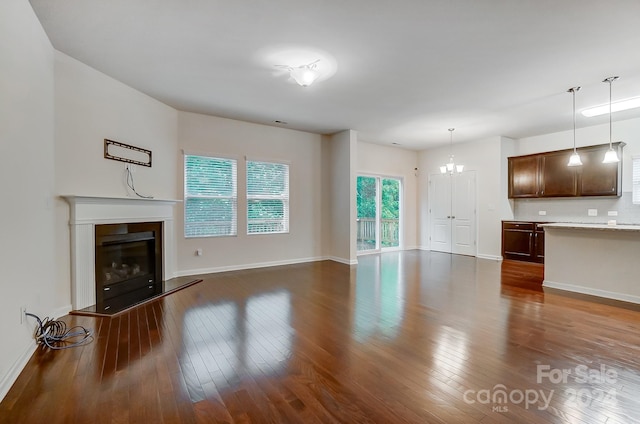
x,y
585,226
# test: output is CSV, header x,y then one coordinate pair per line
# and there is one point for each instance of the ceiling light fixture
x,y
304,75
450,166
574,160
618,106
611,156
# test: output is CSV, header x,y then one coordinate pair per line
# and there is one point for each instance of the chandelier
x,y
450,166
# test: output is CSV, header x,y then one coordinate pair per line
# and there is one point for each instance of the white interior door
x,y
463,213
452,206
440,207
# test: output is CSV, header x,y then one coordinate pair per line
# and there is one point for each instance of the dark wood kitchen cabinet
x,y
523,241
556,178
547,174
524,176
597,178
538,243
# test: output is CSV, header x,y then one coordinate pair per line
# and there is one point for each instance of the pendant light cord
x,y
610,80
573,91
610,132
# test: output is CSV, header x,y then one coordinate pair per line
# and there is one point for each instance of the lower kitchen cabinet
x,y
523,241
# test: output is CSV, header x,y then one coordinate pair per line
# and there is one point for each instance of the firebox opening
x,y
128,259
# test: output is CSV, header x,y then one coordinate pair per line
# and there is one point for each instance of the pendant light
x,y
574,160
611,156
450,166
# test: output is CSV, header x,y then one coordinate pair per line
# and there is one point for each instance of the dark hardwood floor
x,y
407,337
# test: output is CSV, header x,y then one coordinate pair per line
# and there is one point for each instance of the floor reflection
x,y
227,341
451,352
379,303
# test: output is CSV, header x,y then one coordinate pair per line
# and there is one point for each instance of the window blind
x,y
636,179
267,197
211,196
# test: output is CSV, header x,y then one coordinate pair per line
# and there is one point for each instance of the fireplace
x,y
128,264
89,213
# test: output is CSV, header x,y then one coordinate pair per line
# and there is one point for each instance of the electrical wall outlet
x,y
612,213
23,317
542,213
592,212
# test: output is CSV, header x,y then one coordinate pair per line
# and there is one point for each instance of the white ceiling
x,y
407,70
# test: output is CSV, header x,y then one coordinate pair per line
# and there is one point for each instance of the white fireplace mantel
x,y
88,211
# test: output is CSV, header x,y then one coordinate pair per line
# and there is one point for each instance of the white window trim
x,y
286,200
233,198
635,179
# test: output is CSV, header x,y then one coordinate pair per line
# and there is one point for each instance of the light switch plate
x,y
592,212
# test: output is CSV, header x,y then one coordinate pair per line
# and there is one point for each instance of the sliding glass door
x,y
378,203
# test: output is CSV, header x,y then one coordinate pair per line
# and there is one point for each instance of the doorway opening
x,y
379,206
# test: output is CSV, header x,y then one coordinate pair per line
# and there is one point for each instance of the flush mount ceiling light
x,y
618,106
450,166
301,65
611,156
304,75
574,160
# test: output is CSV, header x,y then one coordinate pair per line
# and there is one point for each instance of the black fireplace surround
x,y
128,259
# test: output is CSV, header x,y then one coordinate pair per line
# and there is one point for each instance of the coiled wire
x,y
55,335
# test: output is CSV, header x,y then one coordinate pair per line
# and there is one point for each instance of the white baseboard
x,y
425,248
592,292
343,260
363,253
215,270
490,257
12,374
412,248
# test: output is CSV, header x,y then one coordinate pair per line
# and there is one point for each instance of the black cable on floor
x,y
55,335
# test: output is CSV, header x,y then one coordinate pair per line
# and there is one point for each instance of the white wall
x,y
26,182
339,160
89,107
388,161
218,136
485,157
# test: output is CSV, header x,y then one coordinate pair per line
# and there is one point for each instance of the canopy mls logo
x,y
500,397
596,391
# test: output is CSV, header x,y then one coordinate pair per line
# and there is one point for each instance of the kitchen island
x,y
596,259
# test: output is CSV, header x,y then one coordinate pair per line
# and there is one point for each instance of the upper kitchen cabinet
x,y
556,178
524,176
547,174
597,178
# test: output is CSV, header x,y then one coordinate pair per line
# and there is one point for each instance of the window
x,y
210,196
636,179
267,197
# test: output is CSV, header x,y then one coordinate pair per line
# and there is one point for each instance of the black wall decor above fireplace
x,y
128,259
